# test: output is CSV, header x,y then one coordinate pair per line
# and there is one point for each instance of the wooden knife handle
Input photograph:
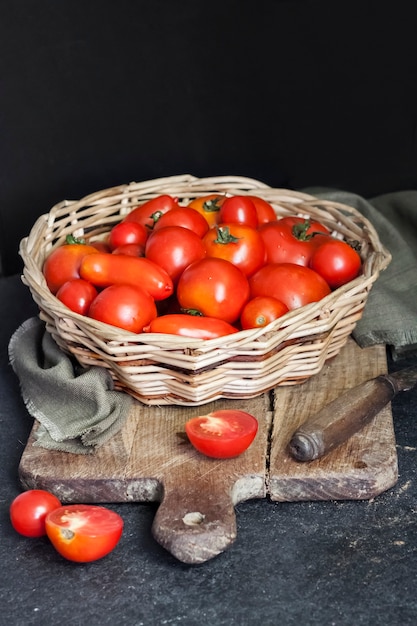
x,y
340,419
195,525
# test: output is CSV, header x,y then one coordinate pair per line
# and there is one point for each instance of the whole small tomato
x,y
222,434
124,306
174,248
261,311
337,262
196,326
83,532
29,510
240,244
148,212
294,285
238,210
63,263
125,233
214,288
264,210
77,294
208,206
291,240
185,217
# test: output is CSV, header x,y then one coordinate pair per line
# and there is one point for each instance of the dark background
x,y
292,92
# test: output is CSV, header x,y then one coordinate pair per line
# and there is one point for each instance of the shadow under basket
x,y
162,369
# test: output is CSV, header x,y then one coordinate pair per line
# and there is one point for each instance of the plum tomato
x,y
29,510
222,434
208,206
174,248
124,306
195,326
185,217
214,288
83,532
240,244
264,210
337,261
294,285
291,239
77,294
238,210
261,311
148,212
125,233
64,262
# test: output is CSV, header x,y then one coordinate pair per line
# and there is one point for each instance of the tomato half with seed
x,y
261,311
214,288
124,306
64,262
77,295
291,239
29,509
174,248
240,244
148,212
337,261
208,206
222,434
83,532
294,285
238,210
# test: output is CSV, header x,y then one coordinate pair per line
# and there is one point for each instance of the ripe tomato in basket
x,y
185,217
295,285
238,210
64,262
77,295
261,311
124,306
292,239
208,206
214,288
125,233
337,261
148,212
174,248
222,434
241,245
264,210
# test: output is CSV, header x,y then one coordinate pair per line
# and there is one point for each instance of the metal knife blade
x,y
342,418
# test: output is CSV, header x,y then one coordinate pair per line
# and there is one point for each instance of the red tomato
x,y
264,210
124,306
295,285
291,240
77,294
238,210
121,269
131,249
127,233
214,288
337,262
261,311
148,212
208,206
63,263
196,326
83,532
185,217
241,245
29,510
222,434
174,248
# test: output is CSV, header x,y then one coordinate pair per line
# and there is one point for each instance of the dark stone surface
x,y
322,563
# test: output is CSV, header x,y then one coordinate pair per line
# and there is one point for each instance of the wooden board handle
x,y
195,525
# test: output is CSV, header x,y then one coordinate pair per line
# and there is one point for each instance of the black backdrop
x,y
95,93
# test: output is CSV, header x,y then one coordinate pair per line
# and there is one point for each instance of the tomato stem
x,y
70,239
224,236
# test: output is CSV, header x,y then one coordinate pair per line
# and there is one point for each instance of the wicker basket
x,y
165,369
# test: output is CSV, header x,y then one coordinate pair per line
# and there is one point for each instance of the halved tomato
x,y
222,434
83,532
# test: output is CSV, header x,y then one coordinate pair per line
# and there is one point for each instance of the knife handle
x,y
341,419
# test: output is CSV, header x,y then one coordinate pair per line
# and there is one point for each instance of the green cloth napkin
x,y
390,315
77,408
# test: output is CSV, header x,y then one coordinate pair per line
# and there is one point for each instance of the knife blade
x,y
347,414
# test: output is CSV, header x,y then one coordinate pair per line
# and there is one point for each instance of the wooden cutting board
x,y
148,461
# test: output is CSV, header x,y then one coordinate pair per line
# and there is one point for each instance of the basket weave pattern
x,y
165,369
